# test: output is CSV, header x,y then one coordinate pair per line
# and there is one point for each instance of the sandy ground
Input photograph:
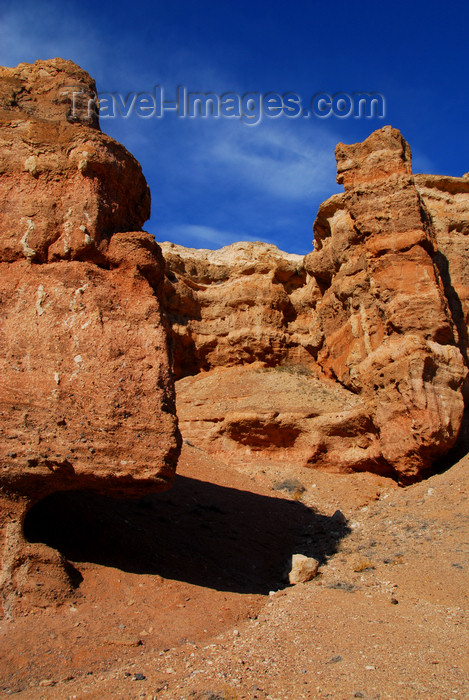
x,y
182,593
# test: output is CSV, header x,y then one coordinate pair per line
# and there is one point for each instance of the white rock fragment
x,y
30,166
29,253
303,569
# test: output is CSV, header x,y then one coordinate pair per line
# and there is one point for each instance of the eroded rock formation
x,y
446,200
247,302
285,414
352,358
376,313
66,187
388,330
87,396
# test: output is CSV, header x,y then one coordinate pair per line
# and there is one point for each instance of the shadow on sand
x,y
198,532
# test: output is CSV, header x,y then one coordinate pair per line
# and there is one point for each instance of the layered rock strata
x,y
65,186
245,303
353,358
446,200
87,396
371,311
286,415
389,334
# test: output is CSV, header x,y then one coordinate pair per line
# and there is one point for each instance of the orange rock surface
x,y
284,416
371,309
353,358
446,200
66,187
245,303
86,392
389,333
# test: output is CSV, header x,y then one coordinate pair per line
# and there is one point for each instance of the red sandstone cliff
x,y
376,314
244,303
353,358
86,391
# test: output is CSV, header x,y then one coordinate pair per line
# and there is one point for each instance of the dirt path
x,y
177,599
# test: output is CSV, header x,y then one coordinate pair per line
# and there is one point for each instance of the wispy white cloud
x,y
281,161
223,180
278,158
421,163
283,158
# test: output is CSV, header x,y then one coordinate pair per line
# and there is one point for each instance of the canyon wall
x,y
247,302
378,313
352,358
86,391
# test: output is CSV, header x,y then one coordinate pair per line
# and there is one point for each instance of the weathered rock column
x,y
86,389
389,334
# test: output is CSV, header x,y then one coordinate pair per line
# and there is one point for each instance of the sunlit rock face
x,y
86,395
247,302
370,310
352,358
387,323
65,186
446,200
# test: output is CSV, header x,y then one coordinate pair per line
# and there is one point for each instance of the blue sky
x,y
216,181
